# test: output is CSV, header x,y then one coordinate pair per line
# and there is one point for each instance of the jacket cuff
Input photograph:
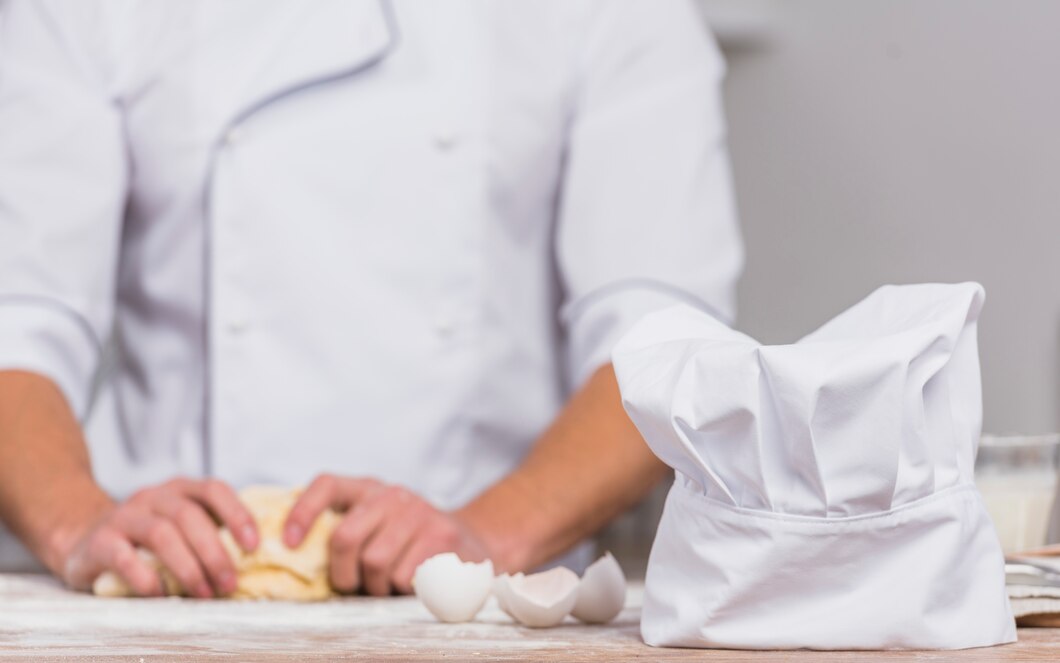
x,y
595,322
46,337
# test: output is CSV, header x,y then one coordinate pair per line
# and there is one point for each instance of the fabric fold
x,y
824,495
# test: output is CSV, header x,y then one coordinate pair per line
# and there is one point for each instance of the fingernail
x,y
227,581
203,591
292,534
250,537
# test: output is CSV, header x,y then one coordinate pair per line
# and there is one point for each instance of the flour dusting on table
x,y
37,612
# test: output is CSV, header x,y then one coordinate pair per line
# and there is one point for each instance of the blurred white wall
x,y
892,141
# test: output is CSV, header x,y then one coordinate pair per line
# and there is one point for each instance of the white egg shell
x,y
542,599
602,592
453,590
501,591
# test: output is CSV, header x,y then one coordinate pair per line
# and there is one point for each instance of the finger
x,y
106,549
326,491
419,550
438,535
162,537
385,550
140,576
349,537
222,501
201,533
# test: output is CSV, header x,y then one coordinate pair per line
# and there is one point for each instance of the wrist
x,y
502,528
494,546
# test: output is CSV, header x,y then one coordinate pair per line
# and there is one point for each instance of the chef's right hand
x,y
177,521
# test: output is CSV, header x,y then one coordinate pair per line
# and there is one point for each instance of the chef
x,y
381,249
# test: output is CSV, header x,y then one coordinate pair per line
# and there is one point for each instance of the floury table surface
x,y
39,620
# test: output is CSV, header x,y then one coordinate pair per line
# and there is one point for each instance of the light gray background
x,y
896,141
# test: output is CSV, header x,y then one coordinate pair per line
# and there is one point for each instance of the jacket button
x,y
446,140
233,136
444,327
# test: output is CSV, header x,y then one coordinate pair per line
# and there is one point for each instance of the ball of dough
x,y
272,571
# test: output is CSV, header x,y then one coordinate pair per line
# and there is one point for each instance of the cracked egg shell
x,y
453,590
501,591
602,592
541,599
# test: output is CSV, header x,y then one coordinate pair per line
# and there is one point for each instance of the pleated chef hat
x,y
823,495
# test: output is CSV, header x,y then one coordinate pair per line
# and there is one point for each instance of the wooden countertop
x,y
39,620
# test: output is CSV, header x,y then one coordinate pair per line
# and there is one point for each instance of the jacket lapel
x,y
314,43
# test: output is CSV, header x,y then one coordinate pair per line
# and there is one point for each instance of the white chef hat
x,y
823,495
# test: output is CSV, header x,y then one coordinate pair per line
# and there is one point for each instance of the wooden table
x,y
39,620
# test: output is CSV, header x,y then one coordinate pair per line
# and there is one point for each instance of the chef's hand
x,y
177,521
384,535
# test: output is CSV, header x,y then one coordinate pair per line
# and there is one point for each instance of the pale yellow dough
x,y
272,571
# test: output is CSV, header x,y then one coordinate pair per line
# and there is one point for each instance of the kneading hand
x,y
384,535
175,521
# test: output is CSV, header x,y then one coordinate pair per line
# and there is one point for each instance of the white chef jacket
x,y
353,236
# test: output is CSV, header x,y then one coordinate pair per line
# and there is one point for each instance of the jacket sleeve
x,y
646,214
63,180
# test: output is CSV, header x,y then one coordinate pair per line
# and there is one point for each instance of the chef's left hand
x,y
385,532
